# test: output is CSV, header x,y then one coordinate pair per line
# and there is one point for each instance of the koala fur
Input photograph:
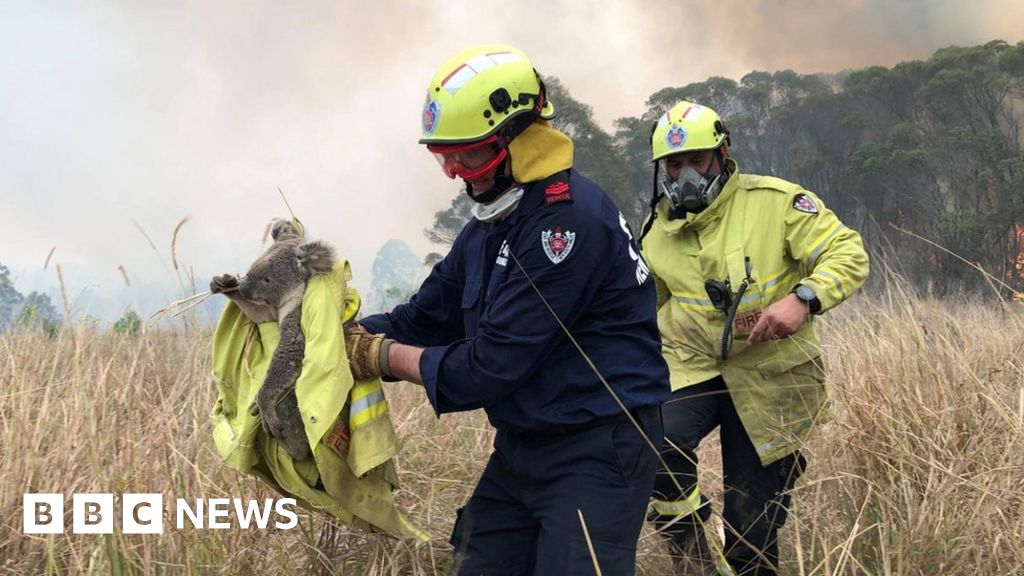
x,y
272,291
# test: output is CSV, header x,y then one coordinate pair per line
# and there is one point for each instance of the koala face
x,y
284,269
274,274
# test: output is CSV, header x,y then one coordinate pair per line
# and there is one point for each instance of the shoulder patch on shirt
x,y
803,203
557,191
557,244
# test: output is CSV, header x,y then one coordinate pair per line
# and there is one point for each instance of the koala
x,y
272,291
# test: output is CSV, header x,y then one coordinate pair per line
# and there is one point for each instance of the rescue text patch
x,y
557,192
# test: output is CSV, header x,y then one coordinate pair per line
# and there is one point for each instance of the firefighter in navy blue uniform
x,y
478,335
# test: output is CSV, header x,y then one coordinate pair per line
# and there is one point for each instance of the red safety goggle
x,y
469,161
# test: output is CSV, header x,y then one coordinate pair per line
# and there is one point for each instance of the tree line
x,y
34,310
931,147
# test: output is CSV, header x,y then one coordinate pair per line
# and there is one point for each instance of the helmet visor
x,y
469,161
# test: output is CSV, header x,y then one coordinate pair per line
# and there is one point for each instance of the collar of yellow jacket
x,y
711,213
539,152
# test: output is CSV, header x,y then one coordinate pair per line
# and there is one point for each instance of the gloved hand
x,y
367,353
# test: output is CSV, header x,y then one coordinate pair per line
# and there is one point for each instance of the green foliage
x,y
128,325
395,276
432,258
37,311
595,155
10,299
393,296
448,222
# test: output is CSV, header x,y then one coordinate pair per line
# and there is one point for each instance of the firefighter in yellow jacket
x,y
742,263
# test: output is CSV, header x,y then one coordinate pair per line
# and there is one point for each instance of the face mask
x,y
499,208
691,191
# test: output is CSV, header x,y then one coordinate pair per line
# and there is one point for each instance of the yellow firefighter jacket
x,y
351,475
790,238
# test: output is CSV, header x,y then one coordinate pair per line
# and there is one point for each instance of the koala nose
x,y
243,287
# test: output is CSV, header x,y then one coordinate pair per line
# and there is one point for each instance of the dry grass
x,y
174,240
124,275
922,472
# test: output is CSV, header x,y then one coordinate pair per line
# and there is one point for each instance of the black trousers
x,y
756,498
524,515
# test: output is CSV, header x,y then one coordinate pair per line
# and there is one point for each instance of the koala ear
x,y
315,257
281,229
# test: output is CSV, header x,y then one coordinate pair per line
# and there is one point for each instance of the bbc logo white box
x,y
43,513
92,513
142,513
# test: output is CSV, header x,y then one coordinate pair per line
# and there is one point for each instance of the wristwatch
x,y
806,293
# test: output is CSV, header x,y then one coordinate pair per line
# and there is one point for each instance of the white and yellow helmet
x,y
687,127
479,91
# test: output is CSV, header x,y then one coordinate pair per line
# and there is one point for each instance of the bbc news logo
x,y
144,513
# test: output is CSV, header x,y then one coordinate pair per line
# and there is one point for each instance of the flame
x,y
1018,264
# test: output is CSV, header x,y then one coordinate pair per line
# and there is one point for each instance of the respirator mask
x,y
691,191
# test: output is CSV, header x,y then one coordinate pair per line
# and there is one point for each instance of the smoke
x,y
637,48
122,112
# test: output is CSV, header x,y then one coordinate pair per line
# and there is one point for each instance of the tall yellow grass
x,y
921,473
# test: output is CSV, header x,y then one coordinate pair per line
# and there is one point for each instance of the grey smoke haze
x,y
122,111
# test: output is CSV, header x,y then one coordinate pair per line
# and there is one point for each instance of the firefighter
x,y
545,247
742,264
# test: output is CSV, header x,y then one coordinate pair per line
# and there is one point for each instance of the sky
x,y
123,117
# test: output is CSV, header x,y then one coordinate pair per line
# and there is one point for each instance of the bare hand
x,y
780,320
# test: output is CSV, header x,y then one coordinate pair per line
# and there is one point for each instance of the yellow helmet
x,y
478,92
687,127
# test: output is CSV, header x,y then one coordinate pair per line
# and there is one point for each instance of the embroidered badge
x,y
430,114
557,192
557,244
675,137
803,203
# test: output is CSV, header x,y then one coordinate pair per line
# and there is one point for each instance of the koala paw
x,y
266,403
224,283
281,420
295,443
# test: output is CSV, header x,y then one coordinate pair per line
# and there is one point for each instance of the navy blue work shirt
x,y
492,343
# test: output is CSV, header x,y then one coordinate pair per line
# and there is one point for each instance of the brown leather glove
x,y
367,353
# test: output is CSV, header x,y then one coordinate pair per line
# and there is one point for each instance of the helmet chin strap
x,y
502,184
504,181
716,182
